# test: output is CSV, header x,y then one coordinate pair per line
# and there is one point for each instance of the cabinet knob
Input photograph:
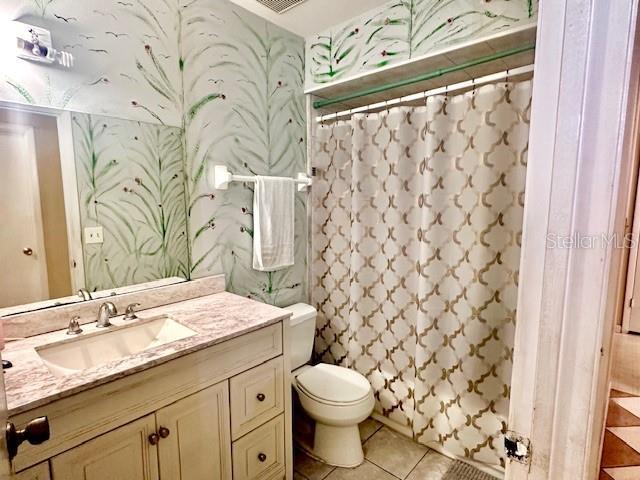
x,y
164,432
154,438
28,251
261,397
262,457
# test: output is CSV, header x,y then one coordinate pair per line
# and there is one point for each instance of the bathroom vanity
x,y
206,394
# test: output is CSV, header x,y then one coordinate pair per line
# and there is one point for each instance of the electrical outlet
x,y
93,235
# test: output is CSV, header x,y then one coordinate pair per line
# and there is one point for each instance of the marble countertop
x,y
215,319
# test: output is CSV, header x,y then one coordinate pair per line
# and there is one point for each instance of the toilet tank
x,y
302,333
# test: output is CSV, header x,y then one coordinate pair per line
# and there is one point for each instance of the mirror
x,y
91,205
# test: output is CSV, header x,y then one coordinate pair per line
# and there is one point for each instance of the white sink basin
x,y
93,349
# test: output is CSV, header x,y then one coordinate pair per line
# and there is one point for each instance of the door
x,y
196,441
123,454
21,235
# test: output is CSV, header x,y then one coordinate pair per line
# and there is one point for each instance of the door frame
x,y
69,185
582,124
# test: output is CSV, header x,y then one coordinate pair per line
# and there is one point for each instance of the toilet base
x,y
338,446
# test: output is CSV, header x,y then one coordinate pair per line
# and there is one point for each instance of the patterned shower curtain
x,y
416,245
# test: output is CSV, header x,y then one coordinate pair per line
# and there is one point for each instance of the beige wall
x,y
51,197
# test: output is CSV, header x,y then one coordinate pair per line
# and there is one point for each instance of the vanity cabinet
x,y
219,413
38,472
197,441
122,453
260,454
186,440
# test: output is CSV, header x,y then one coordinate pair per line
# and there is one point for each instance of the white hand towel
x,y
273,219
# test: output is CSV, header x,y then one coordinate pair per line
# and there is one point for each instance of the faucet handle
x,y
130,313
74,326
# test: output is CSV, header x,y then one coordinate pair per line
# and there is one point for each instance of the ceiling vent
x,y
280,6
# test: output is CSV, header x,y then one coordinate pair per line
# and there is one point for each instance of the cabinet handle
x,y
164,432
154,438
261,397
262,457
35,432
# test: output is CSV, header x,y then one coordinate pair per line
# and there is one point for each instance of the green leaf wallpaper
x,y
232,86
404,29
244,108
125,58
131,182
231,81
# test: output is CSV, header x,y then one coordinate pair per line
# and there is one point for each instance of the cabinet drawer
x,y
260,454
256,396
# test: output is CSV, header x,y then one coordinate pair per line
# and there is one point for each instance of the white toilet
x,y
336,398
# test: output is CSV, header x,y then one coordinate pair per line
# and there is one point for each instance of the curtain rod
x,y
421,78
436,91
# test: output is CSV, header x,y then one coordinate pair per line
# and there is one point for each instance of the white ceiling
x,y
312,16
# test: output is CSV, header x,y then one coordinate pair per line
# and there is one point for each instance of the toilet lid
x,y
334,384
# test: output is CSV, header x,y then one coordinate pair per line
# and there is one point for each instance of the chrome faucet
x,y
106,311
84,294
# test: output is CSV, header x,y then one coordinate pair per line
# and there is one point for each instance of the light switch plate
x,y
93,235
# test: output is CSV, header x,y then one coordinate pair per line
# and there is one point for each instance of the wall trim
x,y
578,133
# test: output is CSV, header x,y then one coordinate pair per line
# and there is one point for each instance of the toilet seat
x,y
334,385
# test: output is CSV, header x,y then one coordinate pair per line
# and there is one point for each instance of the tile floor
x,y
621,449
388,456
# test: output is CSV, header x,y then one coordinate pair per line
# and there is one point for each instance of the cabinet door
x,y
38,472
123,454
196,441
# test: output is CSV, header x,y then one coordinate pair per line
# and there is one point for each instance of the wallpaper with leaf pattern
x,y
229,80
131,182
125,58
403,29
244,108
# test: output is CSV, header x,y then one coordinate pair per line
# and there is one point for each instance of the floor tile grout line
x,y
416,465
382,427
373,435
333,469
383,469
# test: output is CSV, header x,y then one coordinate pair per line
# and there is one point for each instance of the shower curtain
x,y
417,224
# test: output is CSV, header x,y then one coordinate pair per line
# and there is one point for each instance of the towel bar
x,y
220,177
